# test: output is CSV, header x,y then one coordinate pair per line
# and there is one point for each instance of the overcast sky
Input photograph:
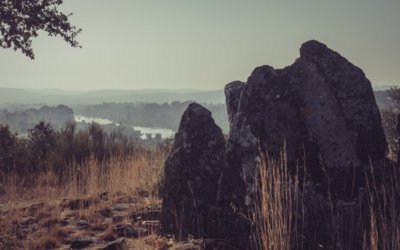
x,y
204,44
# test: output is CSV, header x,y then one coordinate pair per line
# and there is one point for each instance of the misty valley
x,y
136,119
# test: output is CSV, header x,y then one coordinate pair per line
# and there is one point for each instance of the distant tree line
x,y
22,120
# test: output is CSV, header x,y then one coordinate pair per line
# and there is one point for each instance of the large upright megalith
x,y
321,111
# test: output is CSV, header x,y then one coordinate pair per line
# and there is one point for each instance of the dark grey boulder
x,y
191,175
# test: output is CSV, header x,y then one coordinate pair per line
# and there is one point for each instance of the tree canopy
x,y
21,20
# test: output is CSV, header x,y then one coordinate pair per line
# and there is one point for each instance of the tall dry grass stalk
x,y
384,207
274,205
128,175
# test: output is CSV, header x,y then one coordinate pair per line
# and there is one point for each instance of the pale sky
x,y
204,44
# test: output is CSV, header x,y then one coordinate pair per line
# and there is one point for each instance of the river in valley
x,y
145,131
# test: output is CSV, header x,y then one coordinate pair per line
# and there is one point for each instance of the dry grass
x,y
31,218
120,175
371,222
274,206
384,208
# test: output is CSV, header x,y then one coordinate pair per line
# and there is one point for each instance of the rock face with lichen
x,y
320,110
192,171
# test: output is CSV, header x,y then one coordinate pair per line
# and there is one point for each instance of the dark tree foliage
x,y
21,20
13,152
42,140
61,150
97,140
390,122
7,142
394,95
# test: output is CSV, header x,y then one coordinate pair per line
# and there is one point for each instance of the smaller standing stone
x,y
192,171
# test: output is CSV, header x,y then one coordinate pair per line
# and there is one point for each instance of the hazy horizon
x,y
202,45
112,89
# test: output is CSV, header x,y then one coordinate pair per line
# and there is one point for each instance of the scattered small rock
x,y
82,224
104,196
143,193
33,208
28,221
108,237
146,214
82,242
126,200
2,190
64,223
76,203
117,218
186,246
142,231
99,227
2,210
121,207
118,244
106,212
152,226
126,231
21,233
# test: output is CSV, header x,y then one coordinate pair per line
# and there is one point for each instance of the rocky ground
x,y
103,222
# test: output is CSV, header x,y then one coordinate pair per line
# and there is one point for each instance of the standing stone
x,y
330,144
192,171
263,122
232,94
321,111
346,157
